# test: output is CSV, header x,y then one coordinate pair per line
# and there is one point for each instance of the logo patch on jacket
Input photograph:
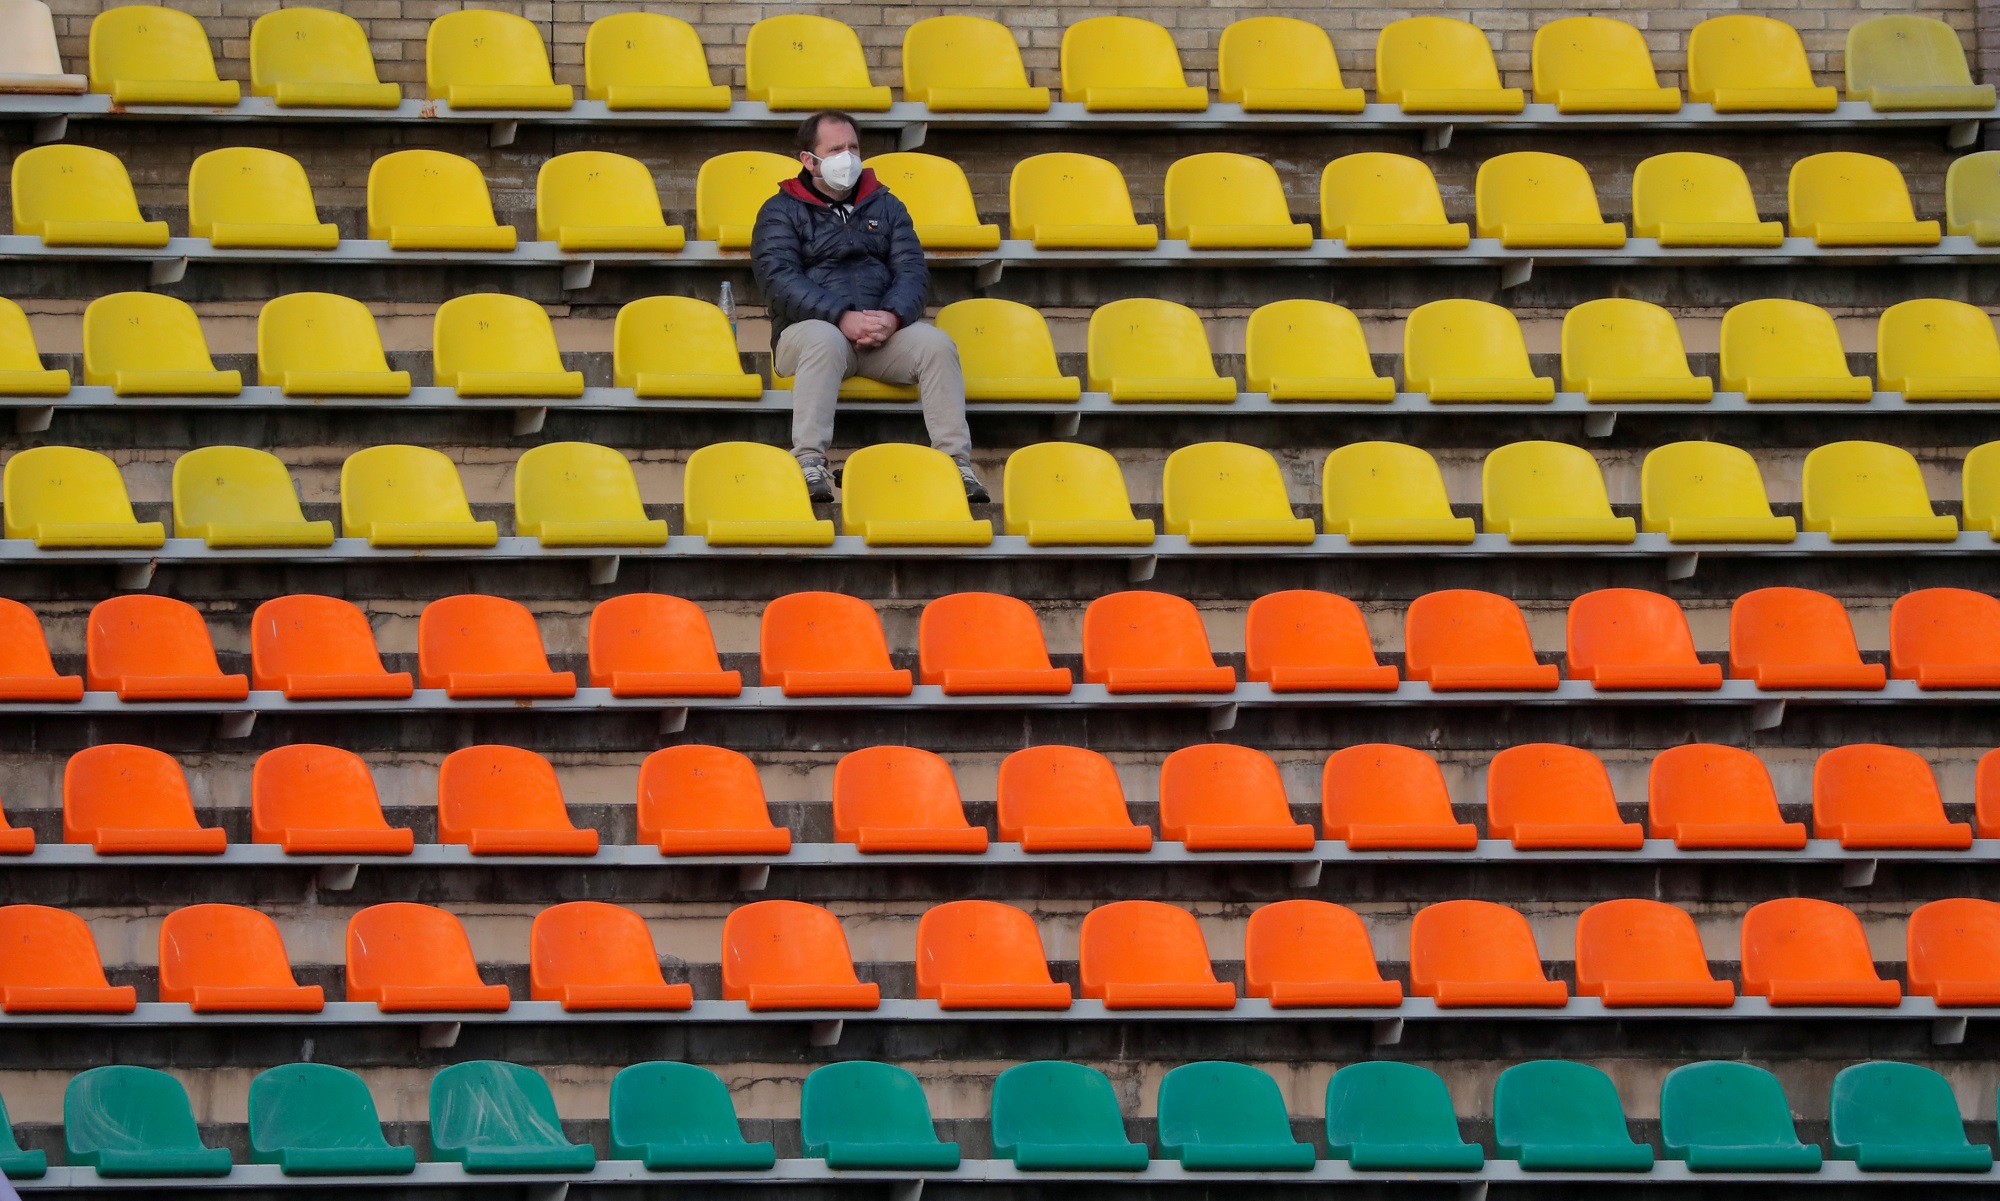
x,y
873,225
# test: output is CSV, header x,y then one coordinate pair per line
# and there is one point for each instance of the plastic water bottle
x,y
728,304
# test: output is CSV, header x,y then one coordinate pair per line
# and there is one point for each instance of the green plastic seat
x,y
1218,1116
1052,1116
870,1115
499,1117
314,1119
1556,1116
1898,1117
16,1164
1731,1117
127,1121
1395,1117
676,1117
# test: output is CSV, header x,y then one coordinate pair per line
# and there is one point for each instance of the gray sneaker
x,y
819,481
975,491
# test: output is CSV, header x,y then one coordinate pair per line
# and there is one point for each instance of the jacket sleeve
x,y
910,278
777,259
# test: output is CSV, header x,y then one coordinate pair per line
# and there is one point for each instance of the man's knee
x,y
814,342
927,344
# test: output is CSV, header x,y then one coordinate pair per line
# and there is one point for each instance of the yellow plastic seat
x,y
319,344
676,347
1742,63
1226,493
730,188
1971,197
1598,65
430,200
243,198
1906,63
479,59
1707,492
649,62
1470,352
488,344
1932,350
236,496
407,496
749,494
1440,65
964,64
1282,65
939,199
1532,200
143,54
798,62
21,370
579,494
1069,494
316,58
144,344
1126,65
1979,481
1144,351
897,494
1787,350
1377,201
1073,201
79,196
1686,198
1548,492
1006,353
591,200
1845,199
1378,493
30,62
1310,350
1618,351
1870,492
1231,202
63,497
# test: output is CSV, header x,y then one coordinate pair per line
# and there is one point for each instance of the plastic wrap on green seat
x,y
676,1117
132,1121
870,1115
1557,1116
1395,1117
314,1119
1052,1116
1731,1117
1898,1117
499,1117
1221,1116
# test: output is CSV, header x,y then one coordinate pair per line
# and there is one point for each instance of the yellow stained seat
x,y
730,188
1440,65
1377,493
1870,492
243,198
1548,492
676,348
1707,492
236,496
1972,197
479,59
79,196
64,497
1686,198
144,344
316,58
1906,63
1470,352
1937,350
798,62
144,54
1282,65
1069,494
1379,201
963,64
430,200
1742,63
1532,200
649,62
1845,199
1598,65
580,494
1126,65
591,200
30,62
1618,351
939,199
319,344
489,344
749,494
1063,200
1786,350
1005,351
1312,351
407,496
1979,481
1222,493
21,370
1222,201
1144,351
897,494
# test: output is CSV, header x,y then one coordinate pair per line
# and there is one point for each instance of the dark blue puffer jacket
x,y
814,266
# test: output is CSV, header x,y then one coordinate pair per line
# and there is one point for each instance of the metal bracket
x,y
1386,1032
167,271
1141,569
136,577
827,1034
1222,717
911,136
1516,273
1306,875
1065,425
33,419
437,1036
1957,135
503,133
1858,873
1599,425
988,273
907,1190
1947,1032
1472,1190
1437,137
1681,567
673,721
529,420
338,877
553,1191
604,569
1767,715
753,877
235,725
577,276
51,129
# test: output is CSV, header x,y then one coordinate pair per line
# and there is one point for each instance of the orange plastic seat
x,y
592,957
1065,798
1945,638
705,800
1463,640
826,644
1624,639
788,955
49,964
1636,953
984,955
1382,797
133,800
1547,796
416,959
15,840
646,644
155,648
1149,642
1798,951
1306,641
1219,797
1986,796
1312,954
502,800
1871,797
228,959
485,646
1466,954
1953,951
320,800
985,644
1786,638
1146,955
898,799
1709,797
26,671
319,648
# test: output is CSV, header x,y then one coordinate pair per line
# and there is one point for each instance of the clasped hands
x,y
870,327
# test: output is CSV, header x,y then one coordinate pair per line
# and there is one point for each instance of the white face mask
x,y
840,171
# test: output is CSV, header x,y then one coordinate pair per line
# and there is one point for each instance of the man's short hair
x,y
809,128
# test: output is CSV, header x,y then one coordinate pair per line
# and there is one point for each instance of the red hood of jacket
x,y
796,187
